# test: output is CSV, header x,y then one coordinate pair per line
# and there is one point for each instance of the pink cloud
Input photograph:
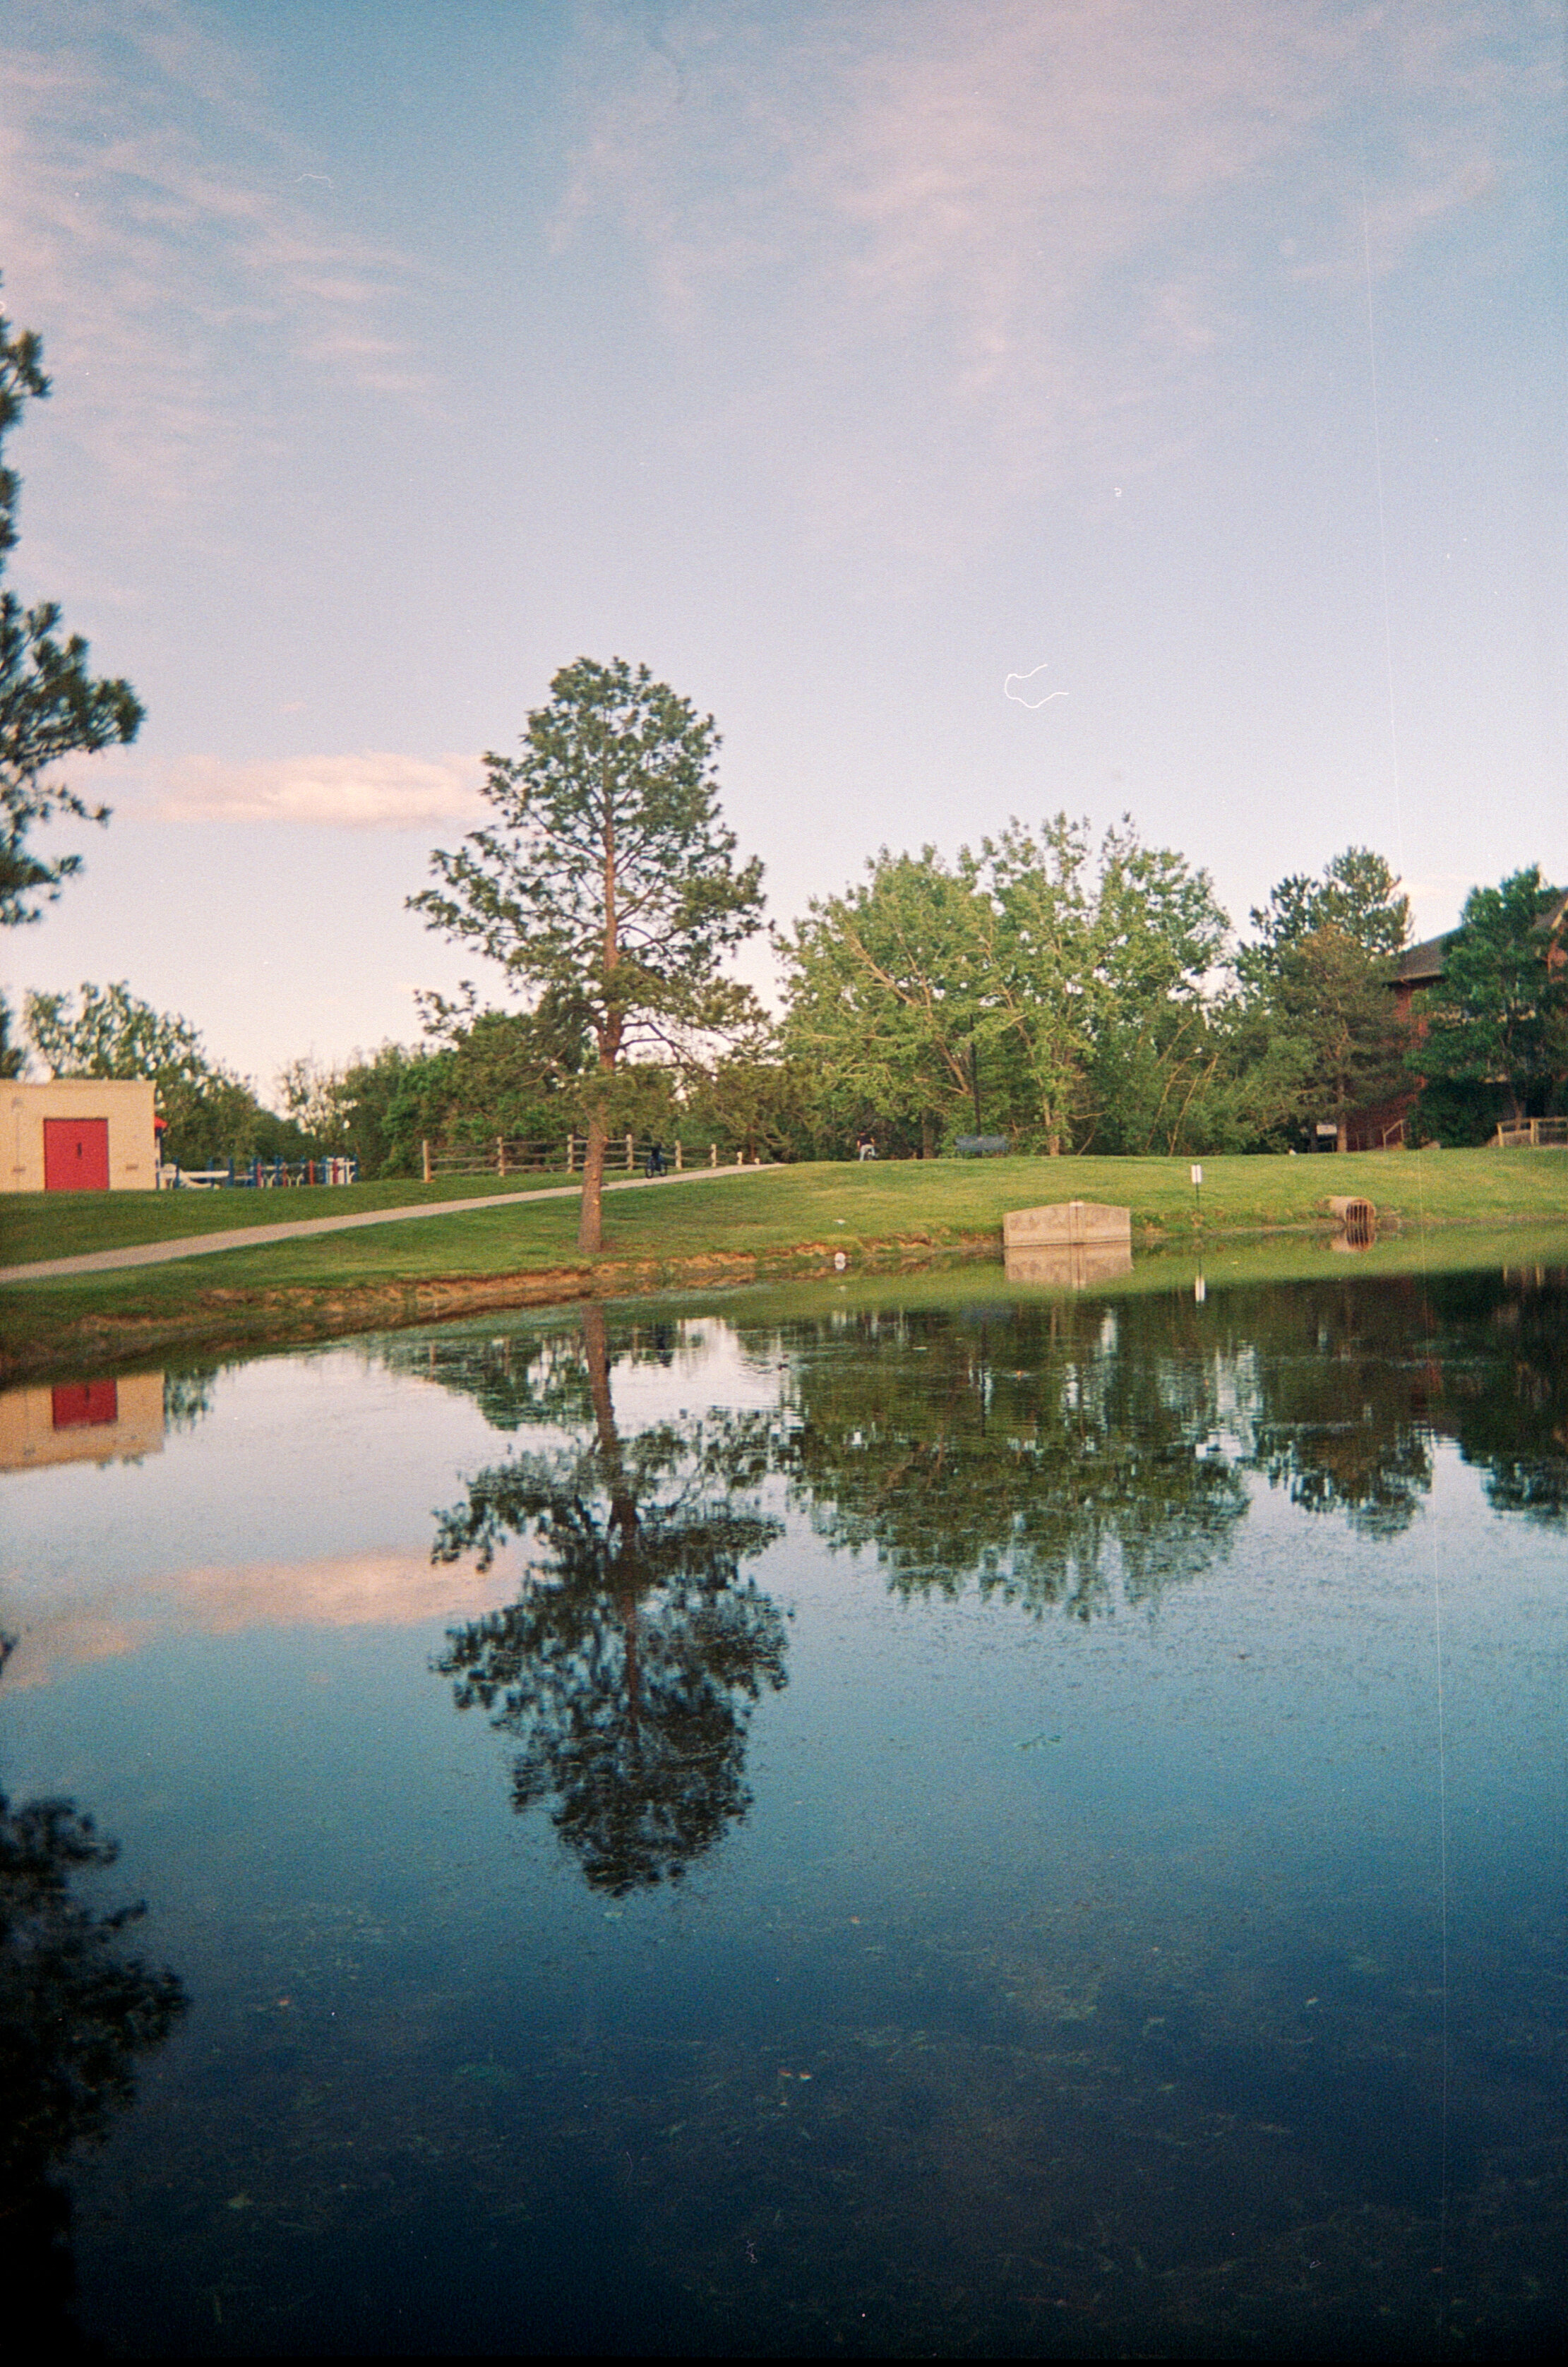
x,y
376,789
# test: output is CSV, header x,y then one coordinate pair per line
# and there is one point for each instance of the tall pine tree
x,y
606,883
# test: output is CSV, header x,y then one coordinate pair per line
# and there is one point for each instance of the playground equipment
x,y
259,1174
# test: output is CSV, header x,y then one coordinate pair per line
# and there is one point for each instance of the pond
x,y
957,1821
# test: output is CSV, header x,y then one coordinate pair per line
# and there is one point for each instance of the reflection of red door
x,y
75,1154
84,1405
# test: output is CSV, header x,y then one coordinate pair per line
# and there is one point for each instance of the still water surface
x,y
1004,1825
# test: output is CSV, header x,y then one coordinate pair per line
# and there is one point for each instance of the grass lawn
x,y
707,1231
69,1224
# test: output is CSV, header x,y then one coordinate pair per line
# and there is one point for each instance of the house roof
x,y
1417,964
1420,964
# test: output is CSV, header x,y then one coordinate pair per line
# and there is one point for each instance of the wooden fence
x,y
1535,1133
624,1155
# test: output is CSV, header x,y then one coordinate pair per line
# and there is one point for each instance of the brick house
x,y
1382,1123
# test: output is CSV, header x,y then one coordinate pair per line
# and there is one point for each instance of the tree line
x,y
1057,991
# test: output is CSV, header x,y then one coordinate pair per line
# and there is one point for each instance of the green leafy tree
x,y
1034,963
373,1098
109,1032
884,1006
1098,964
13,1055
1158,935
758,1098
1498,1016
606,884
1037,987
52,705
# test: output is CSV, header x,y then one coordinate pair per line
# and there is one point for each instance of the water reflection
x,y
1350,1385
75,2012
628,1672
1088,1981
1068,1456
1061,1454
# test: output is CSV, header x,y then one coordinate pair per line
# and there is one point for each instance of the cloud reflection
x,y
64,1625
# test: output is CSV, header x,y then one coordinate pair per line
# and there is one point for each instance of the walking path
x,y
246,1237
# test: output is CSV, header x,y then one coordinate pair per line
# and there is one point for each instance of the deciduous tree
x,y
109,1032
1020,990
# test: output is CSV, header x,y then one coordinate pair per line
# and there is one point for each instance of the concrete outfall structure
x,y
1069,1243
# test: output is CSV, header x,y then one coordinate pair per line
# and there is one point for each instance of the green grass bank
x,y
785,1221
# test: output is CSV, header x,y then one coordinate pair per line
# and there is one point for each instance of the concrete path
x,y
247,1237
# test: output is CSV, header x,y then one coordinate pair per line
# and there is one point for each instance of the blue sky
x,y
837,360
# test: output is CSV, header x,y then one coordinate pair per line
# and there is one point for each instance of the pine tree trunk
x,y
590,1224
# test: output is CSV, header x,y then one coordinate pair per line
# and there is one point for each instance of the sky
x,y
980,407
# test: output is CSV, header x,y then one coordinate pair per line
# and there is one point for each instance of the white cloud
x,y
163,240
1046,221
375,790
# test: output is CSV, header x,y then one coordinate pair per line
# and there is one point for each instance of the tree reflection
x,y
1335,1379
1070,1454
1505,1401
515,1378
76,2012
1054,1453
627,1671
1349,1385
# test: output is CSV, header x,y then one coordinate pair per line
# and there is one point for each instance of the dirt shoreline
x,y
222,1322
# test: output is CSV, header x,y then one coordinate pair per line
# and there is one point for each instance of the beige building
x,y
78,1134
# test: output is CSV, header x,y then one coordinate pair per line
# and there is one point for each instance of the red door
x,y
75,1154
83,1405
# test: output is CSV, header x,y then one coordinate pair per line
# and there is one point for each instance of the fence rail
x,y
624,1155
1537,1133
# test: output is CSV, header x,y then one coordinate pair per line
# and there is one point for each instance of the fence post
x,y
712,1154
571,1148
677,1155
500,1156
425,1160
630,1155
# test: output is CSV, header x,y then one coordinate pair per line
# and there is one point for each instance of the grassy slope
x,y
715,1231
69,1224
